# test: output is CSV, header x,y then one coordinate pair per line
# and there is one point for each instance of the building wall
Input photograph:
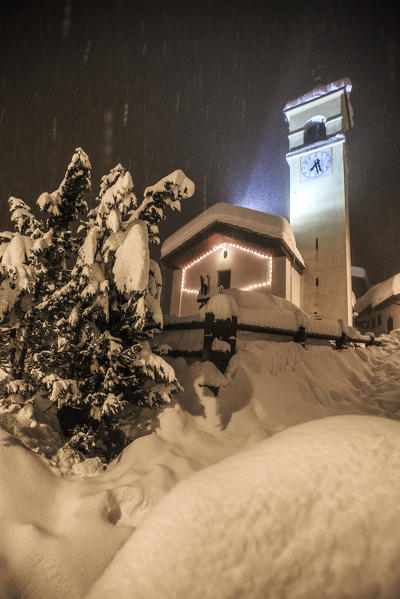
x,y
319,211
319,205
376,320
175,292
296,288
246,269
286,280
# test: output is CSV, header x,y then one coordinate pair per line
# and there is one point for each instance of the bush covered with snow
x,y
79,300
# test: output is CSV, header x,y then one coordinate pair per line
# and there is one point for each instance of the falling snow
x,y
204,84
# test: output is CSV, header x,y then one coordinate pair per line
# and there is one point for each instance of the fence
x,y
220,337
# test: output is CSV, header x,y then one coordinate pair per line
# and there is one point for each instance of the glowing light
x,y
224,246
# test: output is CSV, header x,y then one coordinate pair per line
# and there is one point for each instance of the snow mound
x,y
303,500
257,309
49,528
221,305
312,512
59,532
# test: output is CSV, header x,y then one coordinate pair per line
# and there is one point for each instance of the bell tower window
x,y
314,130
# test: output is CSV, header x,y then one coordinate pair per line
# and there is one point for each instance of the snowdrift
x,y
327,492
49,528
312,512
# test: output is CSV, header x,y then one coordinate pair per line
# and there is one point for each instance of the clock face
x,y
316,164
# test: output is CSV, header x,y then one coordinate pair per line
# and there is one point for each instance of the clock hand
x,y
316,166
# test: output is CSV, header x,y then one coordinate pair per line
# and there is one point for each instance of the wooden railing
x,y
225,330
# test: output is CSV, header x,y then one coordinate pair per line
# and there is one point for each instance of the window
x,y
316,243
389,324
373,322
224,279
379,319
314,131
317,281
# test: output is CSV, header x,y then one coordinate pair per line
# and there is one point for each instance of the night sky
x,y
200,86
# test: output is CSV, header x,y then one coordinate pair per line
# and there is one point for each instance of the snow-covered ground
x,y
312,512
214,503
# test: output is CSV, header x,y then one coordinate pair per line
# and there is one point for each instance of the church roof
x,y
379,293
261,224
319,91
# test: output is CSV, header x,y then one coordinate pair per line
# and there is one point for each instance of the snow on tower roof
x,y
262,223
379,293
319,91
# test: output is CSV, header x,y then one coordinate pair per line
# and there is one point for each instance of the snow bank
x,y
312,512
182,340
269,386
379,293
262,310
49,528
58,533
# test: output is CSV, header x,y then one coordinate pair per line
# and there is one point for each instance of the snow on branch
x,y
168,192
132,260
68,200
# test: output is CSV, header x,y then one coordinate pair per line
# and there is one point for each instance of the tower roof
x,y
320,91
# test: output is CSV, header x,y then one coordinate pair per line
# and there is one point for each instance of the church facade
x,y
306,261
233,247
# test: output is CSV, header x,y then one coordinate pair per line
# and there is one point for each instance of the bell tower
x,y
319,214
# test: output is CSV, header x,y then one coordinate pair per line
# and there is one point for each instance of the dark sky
x,y
200,86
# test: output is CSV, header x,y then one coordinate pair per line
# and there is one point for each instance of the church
x,y
306,261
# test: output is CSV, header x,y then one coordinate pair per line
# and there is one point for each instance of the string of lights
x,y
223,246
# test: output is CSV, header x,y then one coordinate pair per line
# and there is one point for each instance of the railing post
x,y
232,334
341,342
208,335
225,330
371,340
300,336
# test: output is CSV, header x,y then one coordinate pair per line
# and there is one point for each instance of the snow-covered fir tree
x,y
33,262
86,329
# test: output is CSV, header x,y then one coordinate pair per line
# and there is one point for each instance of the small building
x,y
238,248
378,310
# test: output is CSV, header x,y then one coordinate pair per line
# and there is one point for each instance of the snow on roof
x,y
359,272
379,293
245,218
318,92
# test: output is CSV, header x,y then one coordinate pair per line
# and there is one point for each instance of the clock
x,y
316,164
